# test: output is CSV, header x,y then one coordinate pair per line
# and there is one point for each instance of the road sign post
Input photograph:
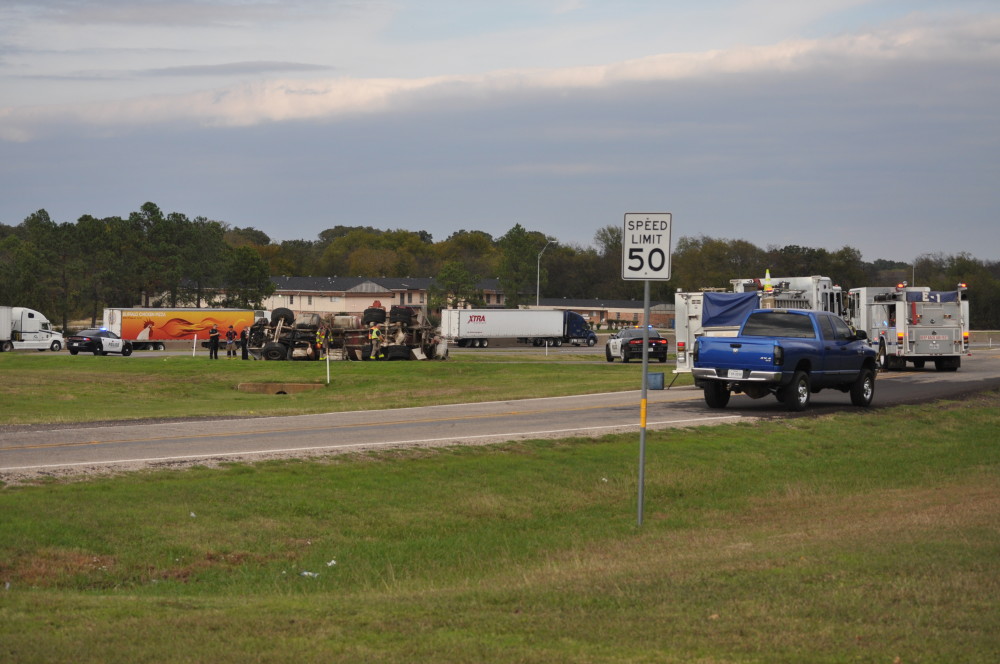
x,y
645,257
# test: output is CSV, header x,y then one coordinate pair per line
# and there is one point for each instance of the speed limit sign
x,y
646,246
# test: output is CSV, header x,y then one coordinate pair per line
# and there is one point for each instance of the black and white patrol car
x,y
627,345
98,342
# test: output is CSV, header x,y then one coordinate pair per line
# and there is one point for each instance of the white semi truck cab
x,y
23,328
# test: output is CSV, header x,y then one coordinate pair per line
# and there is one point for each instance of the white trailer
x,y
21,327
815,292
474,328
912,324
718,314
707,313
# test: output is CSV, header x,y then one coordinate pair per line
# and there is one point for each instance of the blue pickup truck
x,y
789,353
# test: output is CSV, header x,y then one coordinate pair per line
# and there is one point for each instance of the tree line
x,y
72,270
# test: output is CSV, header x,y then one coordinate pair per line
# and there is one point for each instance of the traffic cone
x,y
767,281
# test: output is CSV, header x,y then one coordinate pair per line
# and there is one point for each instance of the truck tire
x,y
287,316
716,395
948,364
797,393
888,362
274,351
373,315
863,389
55,347
397,353
401,314
6,347
591,342
483,343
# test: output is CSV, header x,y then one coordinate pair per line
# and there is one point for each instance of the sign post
x,y
645,257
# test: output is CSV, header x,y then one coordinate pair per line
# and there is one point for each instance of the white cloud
x,y
288,99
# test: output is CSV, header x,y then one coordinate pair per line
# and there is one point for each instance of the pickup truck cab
x,y
789,353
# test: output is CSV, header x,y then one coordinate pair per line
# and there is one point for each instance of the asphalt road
x,y
36,451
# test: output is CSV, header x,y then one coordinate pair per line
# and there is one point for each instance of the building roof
x,y
583,303
363,284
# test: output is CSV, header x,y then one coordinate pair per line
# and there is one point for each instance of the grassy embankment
x,y
42,388
865,536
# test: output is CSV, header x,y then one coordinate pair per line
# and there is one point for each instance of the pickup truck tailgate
x,y
742,358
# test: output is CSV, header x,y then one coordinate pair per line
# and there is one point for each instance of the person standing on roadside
x,y
244,341
375,336
213,342
230,342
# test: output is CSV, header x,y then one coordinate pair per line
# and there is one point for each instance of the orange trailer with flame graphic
x,y
148,328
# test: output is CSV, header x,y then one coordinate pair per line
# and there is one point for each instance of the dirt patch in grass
x,y
44,567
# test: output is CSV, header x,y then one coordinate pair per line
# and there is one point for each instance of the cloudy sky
x,y
867,123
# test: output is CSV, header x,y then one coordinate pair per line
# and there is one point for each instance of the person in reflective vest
x,y
375,336
321,342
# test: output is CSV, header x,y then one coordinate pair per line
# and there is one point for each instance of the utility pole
x,y
538,273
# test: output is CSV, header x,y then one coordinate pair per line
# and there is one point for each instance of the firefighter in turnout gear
x,y
375,337
322,342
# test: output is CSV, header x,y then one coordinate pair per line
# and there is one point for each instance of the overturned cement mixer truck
x,y
406,335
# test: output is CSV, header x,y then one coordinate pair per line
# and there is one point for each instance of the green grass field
x,y
858,537
43,388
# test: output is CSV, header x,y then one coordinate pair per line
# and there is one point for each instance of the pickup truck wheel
x,y
716,395
863,389
607,354
797,397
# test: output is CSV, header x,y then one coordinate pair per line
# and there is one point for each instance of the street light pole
x,y
538,273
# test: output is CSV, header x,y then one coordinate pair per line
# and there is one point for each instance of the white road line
x,y
508,435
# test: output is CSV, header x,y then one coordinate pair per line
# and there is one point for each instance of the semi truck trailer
x,y
149,328
474,328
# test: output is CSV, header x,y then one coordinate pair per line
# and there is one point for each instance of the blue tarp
x,y
719,309
933,296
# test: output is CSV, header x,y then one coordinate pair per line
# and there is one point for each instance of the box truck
x,y
148,329
473,328
21,327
